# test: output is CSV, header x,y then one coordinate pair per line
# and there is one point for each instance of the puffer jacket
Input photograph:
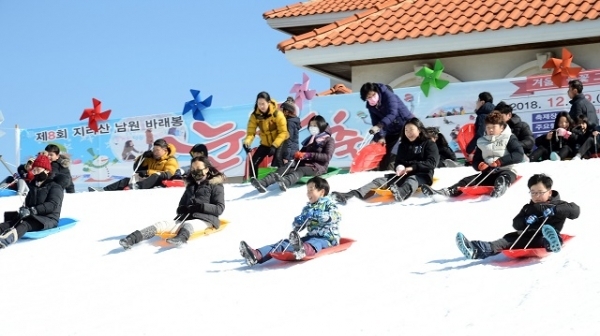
x,y
322,220
62,167
390,113
167,164
321,151
421,155
272,126
209,192
523,133
562,211
504,148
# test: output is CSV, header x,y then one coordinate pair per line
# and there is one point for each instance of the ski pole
x,y
522,233
252,165
536,232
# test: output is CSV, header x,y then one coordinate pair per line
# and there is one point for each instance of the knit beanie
x,y
42,161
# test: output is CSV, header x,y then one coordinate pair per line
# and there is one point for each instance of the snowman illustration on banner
x,y
97,167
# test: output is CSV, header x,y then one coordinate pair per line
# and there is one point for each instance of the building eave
x,y
308,20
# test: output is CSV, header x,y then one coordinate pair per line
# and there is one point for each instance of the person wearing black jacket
x,y
416,160
41,210
555,145
496,154
483,107
580,105
447,155
285,153
200,206
518,127
584,138
60,165
545,208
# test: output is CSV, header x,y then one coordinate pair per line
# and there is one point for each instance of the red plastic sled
x,y
173,183
539,252
368,158
345,243
475,191
465,135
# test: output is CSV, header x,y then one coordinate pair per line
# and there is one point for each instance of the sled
x,y
388,193
538,252
345,243
330,172
206,232
465,135
173,183
7,192
63,224
475,191
368,158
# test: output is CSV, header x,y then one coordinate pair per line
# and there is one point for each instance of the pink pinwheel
x,y
302,92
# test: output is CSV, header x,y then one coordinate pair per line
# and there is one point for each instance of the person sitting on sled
x,y
18,181
41,210
585,139
320,217
312,159
416,160
540,221
494,158
200,206
447,155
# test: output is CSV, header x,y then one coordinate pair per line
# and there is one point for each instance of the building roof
x,y
319,7
411,19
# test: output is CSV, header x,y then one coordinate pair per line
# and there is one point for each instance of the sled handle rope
x,y
179,220
390,180
12,173
530,240
132,181
288,244
486,176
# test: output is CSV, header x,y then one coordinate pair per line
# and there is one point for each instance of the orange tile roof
x,y
402,19
320,7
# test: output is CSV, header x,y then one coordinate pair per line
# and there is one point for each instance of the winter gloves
x,y
547,210
375,129
188,209
148,154
25,212
272,151
493,164
400,170
563,133
303,156
246,147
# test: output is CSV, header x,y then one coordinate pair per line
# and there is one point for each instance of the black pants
x,y
291,177
542,153
485,179
259,155
389,159
588,147
150,182
24,226
506,242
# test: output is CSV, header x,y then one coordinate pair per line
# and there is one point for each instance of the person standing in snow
x,y
497,153
200,206
580,105
312,159
285,153
545,208
273,130
320,217
41,210
388,116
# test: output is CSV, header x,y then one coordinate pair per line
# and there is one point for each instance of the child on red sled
x,y
545,209
320,217
496,153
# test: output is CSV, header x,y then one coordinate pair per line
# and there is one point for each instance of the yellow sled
x,y
206,232
388,193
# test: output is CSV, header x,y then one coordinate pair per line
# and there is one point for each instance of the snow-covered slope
x,y
403,276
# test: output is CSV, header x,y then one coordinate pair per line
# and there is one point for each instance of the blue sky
x,y
137,57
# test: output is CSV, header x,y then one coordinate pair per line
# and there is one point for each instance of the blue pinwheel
x,y
197,106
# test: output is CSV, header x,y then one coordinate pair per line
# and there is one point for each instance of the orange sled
x,y
368,158
465,135
475,191
539,252
345,243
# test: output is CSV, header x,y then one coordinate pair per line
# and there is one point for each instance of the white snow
x,y
403,276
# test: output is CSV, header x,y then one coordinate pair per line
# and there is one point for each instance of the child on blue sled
x,y
545,208
320,217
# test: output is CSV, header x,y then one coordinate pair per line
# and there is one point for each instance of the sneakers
x,y
576,157
280,182
554,156
251,256
429,191
10,237
256,184
552,240
473,249
500,186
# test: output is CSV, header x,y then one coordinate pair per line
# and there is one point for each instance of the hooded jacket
x,y
209,192
167,164
272,126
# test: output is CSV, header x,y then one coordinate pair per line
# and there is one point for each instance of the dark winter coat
x,y
481,113
46,199
562,211
422,155
292,144
210,193
523,132
22,171
557,142
390,113
321,152
578,136
582,106
446,153
61,167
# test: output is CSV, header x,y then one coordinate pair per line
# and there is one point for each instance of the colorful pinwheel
x,y
94,115
196,105
302,92
562,68
431,78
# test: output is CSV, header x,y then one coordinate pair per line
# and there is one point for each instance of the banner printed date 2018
x,y
551,102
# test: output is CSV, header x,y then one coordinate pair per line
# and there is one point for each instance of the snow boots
x,y
251,256
137,236
182,236
9,237
500,185
474,249
301,249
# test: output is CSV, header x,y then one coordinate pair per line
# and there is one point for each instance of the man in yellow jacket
x,y
273,130
151,168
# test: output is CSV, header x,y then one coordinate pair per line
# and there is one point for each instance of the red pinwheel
x,y
94,115
562,68
302,92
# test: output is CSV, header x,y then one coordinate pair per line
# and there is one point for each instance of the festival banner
x,y
103,158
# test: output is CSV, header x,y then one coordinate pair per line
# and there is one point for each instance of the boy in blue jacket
x,y
545,207
320,217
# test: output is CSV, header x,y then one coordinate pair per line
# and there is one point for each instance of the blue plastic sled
x,y
7,192
63,224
